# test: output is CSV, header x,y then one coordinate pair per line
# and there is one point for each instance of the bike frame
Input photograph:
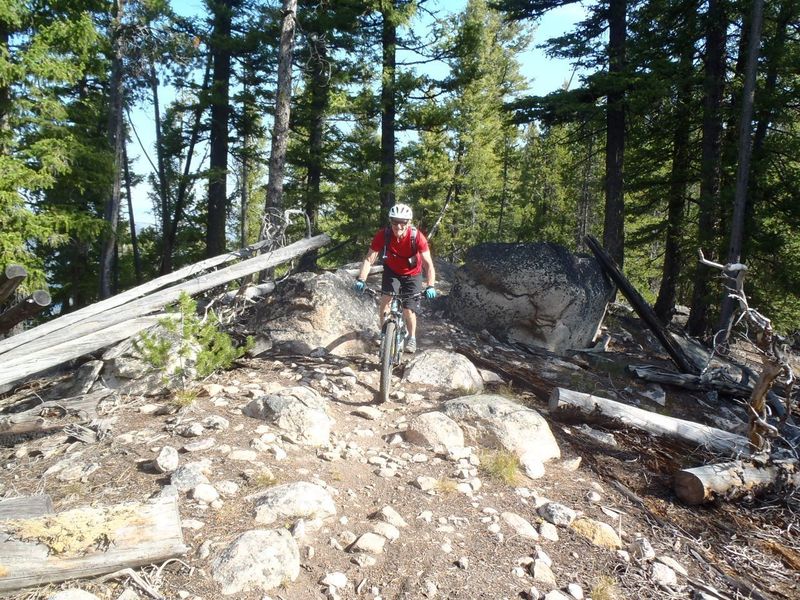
x,y
396,316
393,336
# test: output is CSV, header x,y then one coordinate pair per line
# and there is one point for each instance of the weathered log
x,y
20,367
10,279
641,307
565,401
89,541
732,480
138,292
25,507
24,310
689,381
121,323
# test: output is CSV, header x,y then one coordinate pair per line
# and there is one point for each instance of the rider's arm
x,y
367,264
430,270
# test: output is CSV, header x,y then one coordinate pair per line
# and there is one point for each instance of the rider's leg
x,y
411,321
383,310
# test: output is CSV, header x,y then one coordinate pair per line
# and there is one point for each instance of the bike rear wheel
x,y
387,358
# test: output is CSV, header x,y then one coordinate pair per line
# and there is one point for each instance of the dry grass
x,y
605,589
184,398
446,486
501,465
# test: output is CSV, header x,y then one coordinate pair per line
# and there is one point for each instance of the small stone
x,y
576,591
205,492
548,531
190,430
641,549
557,514
243,455
663,575
463,563
369,412
572,464
391,516
543,574
426,483
593,497
387,530
167,460
369,542
336,579
199,445
227,488
673,564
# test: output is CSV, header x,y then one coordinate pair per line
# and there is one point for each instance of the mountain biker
x,y
405,251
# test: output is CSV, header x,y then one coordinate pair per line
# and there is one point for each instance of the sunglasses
x,y
396,222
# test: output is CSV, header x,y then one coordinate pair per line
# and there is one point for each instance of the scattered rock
x,y
433,429
557,514
598,533
167,460
300,499
257,560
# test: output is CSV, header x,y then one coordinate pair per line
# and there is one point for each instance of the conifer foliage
x,y
416,101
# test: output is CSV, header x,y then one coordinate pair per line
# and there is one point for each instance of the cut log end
x,y
689,488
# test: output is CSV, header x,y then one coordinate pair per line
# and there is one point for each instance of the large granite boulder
x,y
538,293
310,311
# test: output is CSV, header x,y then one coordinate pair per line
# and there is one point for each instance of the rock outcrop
x,y
539,294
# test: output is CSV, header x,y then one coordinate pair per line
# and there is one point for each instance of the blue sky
x,y
544,75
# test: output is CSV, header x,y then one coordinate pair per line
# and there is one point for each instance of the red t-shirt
x,y
399,251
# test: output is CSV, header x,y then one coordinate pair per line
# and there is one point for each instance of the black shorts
x,y
405,285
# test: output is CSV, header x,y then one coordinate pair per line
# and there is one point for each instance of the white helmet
x,y
401,211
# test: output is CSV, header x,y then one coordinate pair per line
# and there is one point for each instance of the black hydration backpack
x,y
412,260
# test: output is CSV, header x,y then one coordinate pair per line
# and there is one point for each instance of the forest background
x,y
680,132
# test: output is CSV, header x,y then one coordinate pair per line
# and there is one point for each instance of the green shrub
x,y
213,349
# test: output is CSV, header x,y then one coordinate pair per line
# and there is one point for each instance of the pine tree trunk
x,y
319,104
111,213
584,212
679,178
183,183
5,95
166,250
743,166
218,143
137,259
388,110
716,26
614,223
280,131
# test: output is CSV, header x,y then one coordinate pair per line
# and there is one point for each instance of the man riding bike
x,y
405,252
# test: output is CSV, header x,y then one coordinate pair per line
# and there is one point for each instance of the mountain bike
x,y
393,337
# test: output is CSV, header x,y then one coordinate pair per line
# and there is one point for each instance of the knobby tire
x,y
387,358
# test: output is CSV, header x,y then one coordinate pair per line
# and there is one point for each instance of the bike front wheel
x,y
387,358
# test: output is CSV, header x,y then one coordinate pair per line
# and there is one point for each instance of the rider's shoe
x,y
411,345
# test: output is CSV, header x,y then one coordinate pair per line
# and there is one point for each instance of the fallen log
x,y
690,382
10,279
21,367
26,507
24,309
566,401
125,321
88,541
732,480
123,298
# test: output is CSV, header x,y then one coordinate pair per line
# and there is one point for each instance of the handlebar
x,y
376,292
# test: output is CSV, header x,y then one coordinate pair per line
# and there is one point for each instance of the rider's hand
x,y
430,292
359,286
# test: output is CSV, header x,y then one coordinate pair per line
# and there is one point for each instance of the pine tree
x,y
48,60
